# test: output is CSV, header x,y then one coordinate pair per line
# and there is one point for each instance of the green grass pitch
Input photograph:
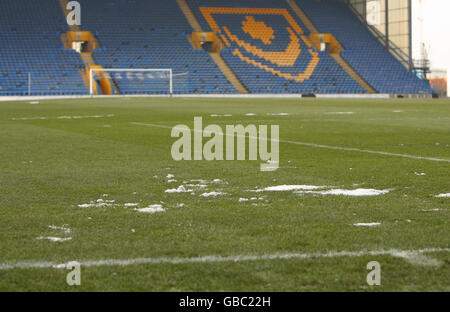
x,y
49,166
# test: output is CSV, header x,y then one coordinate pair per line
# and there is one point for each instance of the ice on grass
x,y
180,189
151,209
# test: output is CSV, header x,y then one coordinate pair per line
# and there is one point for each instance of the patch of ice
x,y
197,185
340,113
281,188
357,192
224,115
203,181
55,239
151,209
443,195
63,228
180,189
367,224
278,114
97,203
213,194
29,118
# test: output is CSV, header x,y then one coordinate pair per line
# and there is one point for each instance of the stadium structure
x,y
211,47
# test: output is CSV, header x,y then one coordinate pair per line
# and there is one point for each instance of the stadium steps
x,y
220,62
303,17
88,60
337,57
189,15
345,66
216,57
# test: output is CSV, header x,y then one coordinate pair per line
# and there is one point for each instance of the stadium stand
x,y
30,44
150,34
361,49
266,56
266,45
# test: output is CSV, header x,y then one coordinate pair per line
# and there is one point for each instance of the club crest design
x,y
269,39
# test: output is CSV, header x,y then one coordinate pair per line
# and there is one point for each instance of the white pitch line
x,y
349,149
405,254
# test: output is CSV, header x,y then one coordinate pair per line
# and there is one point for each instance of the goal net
x,y
105,81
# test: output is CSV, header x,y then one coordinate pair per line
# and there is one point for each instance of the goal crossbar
x,y
92,70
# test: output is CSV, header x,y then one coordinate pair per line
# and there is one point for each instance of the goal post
x,y
132,74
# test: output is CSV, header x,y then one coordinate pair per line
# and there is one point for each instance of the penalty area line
x,y
348,149
404,254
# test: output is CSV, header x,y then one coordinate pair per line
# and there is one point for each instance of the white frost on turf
x,y
367,224
151,209
197,185
203,181
340,113
213,194
98,203
357,192
180,189
170,176
281,188
250,114
63,228
131,204
55,239
61,117
443,195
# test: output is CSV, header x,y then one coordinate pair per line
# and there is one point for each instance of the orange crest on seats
x,y
283,63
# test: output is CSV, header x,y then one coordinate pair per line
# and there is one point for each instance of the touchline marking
x,y
350,149
404,254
